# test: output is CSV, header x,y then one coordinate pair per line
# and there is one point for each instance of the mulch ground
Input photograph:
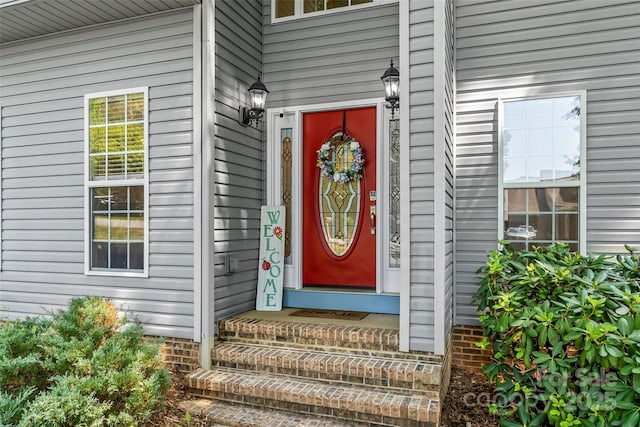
x,y
171,414
467,401
465,404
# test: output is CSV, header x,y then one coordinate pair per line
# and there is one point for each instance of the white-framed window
x,y
542,170
116,182
283,10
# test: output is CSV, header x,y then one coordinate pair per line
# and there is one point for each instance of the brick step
x,y
225,414
318,336
336,368
306,396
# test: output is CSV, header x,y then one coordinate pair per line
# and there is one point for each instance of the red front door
x,y
338,214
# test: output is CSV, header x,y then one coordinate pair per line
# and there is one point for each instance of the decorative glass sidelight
x,y
394,193
285,136
339,202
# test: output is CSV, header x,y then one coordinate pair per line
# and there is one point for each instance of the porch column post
x,y
206,251
405,181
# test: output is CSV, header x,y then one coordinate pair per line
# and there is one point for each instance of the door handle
x,y
372,217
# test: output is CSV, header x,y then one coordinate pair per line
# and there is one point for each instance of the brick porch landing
x,y
288,371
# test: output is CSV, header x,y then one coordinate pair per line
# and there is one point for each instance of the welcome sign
x,y
271,262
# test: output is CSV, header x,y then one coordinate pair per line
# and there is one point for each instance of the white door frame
x,y
387,280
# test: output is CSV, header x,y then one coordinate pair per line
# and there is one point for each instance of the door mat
x,y
330,314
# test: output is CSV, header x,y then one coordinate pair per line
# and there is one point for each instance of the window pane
x,y
119,223
566,227
136,256
516,227
285,8
135,165
567,199
136,226
541,140
100,199
119,255
518,246
333,4
97,111
542,226
135,137
115,105
118,198
97,140
137,198
116,166
541,199
356,2
97,167
135,107
100,255
313,5
101,226
115,139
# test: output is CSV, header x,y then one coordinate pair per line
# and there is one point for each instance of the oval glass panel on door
x,y
339,202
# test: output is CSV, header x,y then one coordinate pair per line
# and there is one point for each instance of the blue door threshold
x,y
352,301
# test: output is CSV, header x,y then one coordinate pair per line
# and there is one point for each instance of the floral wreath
x,y
328,167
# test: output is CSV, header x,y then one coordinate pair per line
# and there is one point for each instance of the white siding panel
x,y
43,84
514,48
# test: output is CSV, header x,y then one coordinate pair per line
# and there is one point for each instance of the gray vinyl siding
x,y
509,48
421,155
449,123
329,58
238,155
43,83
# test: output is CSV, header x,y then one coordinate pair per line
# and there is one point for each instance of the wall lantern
x,y
258,96
391,81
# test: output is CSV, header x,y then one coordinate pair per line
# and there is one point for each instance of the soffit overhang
x,y
22,19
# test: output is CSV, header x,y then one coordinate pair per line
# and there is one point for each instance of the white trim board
x,y
541,93
91,184
439,177
405,181
290,117
206,253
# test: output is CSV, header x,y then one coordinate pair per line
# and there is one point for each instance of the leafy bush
x,y
81,366
565,332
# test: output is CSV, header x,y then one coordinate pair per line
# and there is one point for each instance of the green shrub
x,y
565,332
12,406
83,366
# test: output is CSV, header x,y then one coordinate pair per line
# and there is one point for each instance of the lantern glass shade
x,y
258,93
391,81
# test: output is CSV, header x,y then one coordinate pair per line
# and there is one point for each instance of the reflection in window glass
x,y
313,6
541,140
333,4
285,8
116,141
541,216
117,228
116,144
541,170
